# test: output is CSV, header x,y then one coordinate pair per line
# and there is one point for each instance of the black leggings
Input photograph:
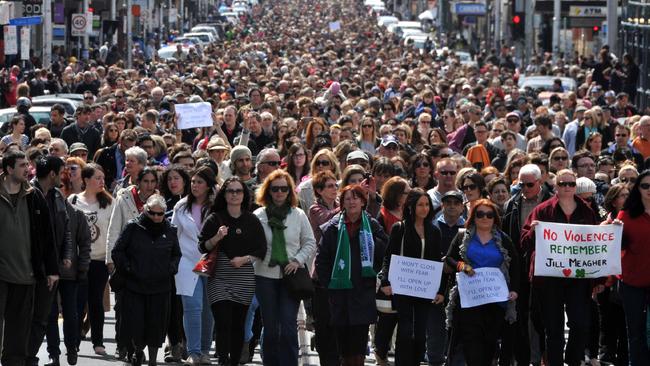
x,y
93,293
229,320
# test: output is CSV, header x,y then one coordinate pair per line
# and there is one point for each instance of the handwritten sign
x,y
11,39
414,277
577,251
334,26
486,286
194,115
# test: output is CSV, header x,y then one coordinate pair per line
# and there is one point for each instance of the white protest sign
x,y
11,40
334,26
486,286
414,277
577,251
24,43
194,115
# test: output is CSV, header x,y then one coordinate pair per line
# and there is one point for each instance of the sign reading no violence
x,y
577,251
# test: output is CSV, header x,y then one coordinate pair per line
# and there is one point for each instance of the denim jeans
x,y
635,303
250,319
279,314
197,319
436,335
68,293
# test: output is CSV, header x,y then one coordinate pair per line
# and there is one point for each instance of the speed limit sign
x,y
79,25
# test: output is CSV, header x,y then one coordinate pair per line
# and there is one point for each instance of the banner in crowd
x,y
414,277
577,251
194,115
486,286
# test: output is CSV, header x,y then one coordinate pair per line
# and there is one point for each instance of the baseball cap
x,y
513,114
389,139
452,194
78,146
357,154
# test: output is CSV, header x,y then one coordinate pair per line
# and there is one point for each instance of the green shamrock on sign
x,y
580,273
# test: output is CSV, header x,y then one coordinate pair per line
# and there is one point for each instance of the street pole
x,y
497,24
612,25
557,12
85,52
47,34
181,14
129,34
530,40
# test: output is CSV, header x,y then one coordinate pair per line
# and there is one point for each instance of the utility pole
x,y
557,12
129,34
530,30
47,34
612,25
497,24
89,18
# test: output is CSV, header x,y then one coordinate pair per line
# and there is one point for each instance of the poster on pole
x,y
24,42
414,277
486,286
194,115
577,251
11,40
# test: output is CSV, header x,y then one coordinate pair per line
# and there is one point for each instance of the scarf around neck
x,y
276,216
341,273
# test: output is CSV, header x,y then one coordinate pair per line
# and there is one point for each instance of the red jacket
x,y
550,211
635,249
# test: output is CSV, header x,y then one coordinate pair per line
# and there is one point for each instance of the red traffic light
x,y
596,28
516,19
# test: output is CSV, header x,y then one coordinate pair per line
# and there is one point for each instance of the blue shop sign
x,y
26,21
470,9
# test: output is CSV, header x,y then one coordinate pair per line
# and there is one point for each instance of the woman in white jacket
x,y
290,244
189,215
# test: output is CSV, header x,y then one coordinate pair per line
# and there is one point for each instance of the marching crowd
x,y
329,151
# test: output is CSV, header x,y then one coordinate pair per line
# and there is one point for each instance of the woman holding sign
x,y
349,256
482,245
634,287
556,293
414,237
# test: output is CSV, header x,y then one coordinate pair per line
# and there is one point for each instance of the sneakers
x,y
175,353
192,360
205,359
54,361
99,350
72,357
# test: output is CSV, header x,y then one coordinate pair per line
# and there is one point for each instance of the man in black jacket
x,y
112,159
81,131
28,254
48,178
518,207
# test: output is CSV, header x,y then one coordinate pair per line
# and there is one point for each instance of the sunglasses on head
x,y
484,214
567,184
154,213
276,189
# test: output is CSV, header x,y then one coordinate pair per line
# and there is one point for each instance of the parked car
x,y
40,113
204,29
167,52
385,20
205,37
70,102
546,83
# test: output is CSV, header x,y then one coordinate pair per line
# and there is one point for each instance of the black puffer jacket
x,y
80,235
147,259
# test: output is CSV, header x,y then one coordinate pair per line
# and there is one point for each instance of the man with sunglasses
x,y
513,123
389,147
622,140
268,160
445,175
533,192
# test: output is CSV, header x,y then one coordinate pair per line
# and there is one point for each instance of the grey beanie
x,y
237,153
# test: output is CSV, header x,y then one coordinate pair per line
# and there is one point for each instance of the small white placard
x,y
414,277
194,115
486,286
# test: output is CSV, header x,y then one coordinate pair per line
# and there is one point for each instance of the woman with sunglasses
x,y
556,294
481,245
189,217
472,185
349,257
324,160
628,175
147,253
592,121
110,135
238,237
421,172
71,180
290,245
635,278
368,140
558,159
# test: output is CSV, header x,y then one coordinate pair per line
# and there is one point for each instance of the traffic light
x,y
596,29
517,21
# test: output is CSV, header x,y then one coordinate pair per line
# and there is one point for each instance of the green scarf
x,y
276,216
341,273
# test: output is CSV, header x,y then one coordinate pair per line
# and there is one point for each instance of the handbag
x,y
206,265
384,302
299,284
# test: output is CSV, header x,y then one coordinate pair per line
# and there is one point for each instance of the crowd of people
x,y
329,151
